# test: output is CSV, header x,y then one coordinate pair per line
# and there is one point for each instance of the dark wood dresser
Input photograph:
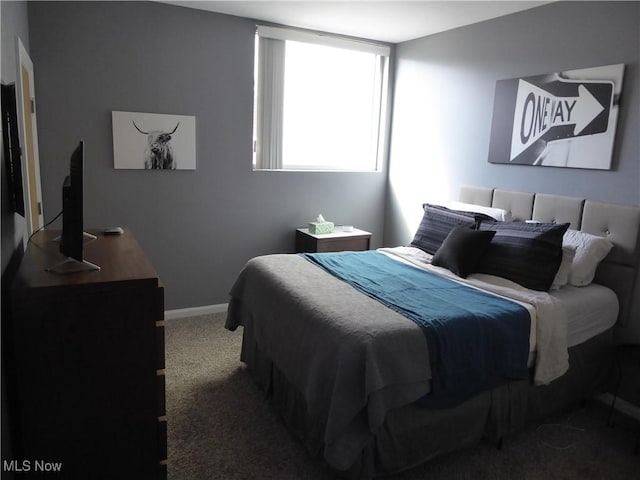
x,y
89,362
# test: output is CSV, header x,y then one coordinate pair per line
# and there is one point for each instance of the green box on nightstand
x,y
317,228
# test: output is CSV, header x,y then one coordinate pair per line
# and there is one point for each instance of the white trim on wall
x,y
194,311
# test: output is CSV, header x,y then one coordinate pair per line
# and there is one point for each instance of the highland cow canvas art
x,y
153,141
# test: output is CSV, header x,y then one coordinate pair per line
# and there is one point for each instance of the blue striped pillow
x,y
437,222
526,253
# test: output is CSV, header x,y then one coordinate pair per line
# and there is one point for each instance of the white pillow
x,y
590,251
495,213
562,276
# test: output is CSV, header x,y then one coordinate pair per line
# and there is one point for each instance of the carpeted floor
x,y
221,427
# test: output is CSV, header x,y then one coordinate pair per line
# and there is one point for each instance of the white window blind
x,y
319,101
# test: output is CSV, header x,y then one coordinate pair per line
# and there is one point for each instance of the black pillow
x,y
437,222
462,250
526,253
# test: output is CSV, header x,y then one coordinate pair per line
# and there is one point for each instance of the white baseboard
x,y
194,311
621,405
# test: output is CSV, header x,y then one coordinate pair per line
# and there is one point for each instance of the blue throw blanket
x,y
476,340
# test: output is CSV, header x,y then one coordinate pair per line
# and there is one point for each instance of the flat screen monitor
x,y
71,241
73,235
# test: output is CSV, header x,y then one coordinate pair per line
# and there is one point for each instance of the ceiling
x,y
387,21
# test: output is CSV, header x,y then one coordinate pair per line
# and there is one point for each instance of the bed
x,y
371,389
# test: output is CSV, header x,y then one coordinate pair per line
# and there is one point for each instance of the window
x,y
319,102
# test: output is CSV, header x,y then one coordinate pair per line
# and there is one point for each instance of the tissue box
x,y
317,228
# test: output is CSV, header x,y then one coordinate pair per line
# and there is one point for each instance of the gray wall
x,y
197,227
443,106
200,227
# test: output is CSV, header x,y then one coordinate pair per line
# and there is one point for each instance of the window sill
x,y
313,170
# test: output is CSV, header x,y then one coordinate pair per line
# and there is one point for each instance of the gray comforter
x,y
352,358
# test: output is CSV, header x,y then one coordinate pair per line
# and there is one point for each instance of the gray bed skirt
x,y
412,435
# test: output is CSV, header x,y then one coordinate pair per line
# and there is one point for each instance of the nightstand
x,y
337,241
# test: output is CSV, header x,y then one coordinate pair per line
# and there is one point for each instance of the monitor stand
x,y
72,265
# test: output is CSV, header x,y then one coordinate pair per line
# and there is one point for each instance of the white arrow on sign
x,y
537,111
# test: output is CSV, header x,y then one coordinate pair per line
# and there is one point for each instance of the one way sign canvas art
x,y
563,119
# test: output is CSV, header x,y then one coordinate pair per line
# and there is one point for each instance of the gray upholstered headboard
x,y
619,223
